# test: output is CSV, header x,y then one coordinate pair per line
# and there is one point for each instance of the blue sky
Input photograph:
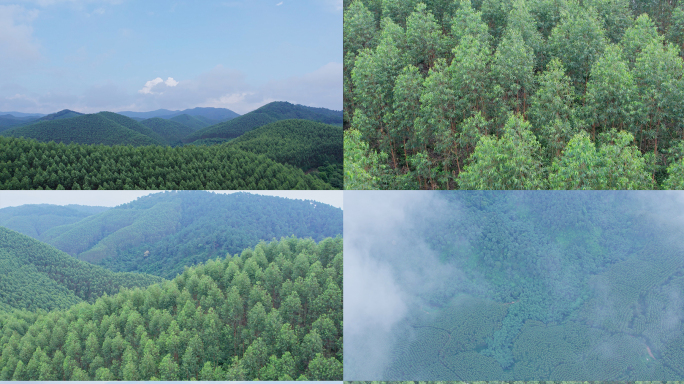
x,y
141,55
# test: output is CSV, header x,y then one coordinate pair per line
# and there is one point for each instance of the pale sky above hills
x,y
114,198
116,55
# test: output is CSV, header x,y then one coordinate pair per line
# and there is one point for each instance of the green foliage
x,y
302,143
170,131
163,232
38,276
28,164
578,41
196,326
100,128
511,162
616,165
269,113
416,74
195,123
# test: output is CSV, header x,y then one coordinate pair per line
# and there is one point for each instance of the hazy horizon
x,y
121,55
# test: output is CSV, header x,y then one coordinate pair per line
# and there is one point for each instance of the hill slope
x,y
195,123
134,126
302,143
36,275
238,318
32,220
87,129
269,113
163,232
170,131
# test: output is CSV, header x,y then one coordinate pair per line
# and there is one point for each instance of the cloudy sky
x,y
114,198
135,55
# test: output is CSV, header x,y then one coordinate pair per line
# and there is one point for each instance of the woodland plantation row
x,y
29,164
514,94
272,313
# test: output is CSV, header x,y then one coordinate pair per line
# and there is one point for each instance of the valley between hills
x,y
188,285
277,146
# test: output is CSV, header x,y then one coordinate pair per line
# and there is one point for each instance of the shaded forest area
x,y
273,312
514,94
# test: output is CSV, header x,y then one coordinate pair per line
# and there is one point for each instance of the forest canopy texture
x,y
514,286
287,147
273,312
162,233
514,94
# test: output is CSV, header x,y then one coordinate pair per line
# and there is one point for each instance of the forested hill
x,y
314,147
269,113
193,122
271,313
162,233
302,143
34,219
99,128
38,276
171,131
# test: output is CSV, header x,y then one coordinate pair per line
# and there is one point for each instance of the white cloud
x,y
17,45
279,4
218,87
147,89
171,82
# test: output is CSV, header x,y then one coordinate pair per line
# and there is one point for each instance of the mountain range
x,y
161,233
162,127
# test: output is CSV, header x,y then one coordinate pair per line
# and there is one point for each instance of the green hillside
x,y
163,232
86,129
170,131
269,113
24,164
33,220
271,313
195,123
231,128
134,125
302,143
38,276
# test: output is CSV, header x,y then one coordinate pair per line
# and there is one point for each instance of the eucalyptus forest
x,y
522,286
271,310
287,147
514,94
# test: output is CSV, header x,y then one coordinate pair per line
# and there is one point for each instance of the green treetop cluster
x,y
513,94
272,313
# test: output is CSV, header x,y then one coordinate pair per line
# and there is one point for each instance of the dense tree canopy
x,y
163,232
430,88
272,313
534,285
29,164
38,276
